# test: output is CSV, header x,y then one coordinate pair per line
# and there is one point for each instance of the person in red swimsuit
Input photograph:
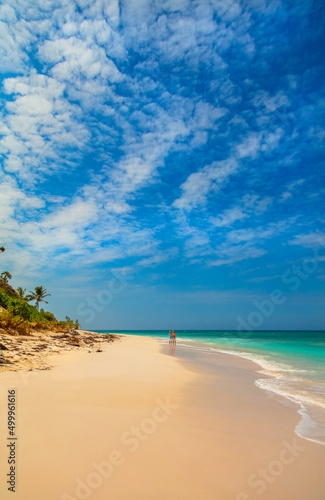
x,y
174,337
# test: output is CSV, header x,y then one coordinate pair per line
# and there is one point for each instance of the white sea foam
x,y
311,425
288,388
289,382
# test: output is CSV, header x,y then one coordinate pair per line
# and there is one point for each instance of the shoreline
x,y
292,408
40,346
266,373
175,426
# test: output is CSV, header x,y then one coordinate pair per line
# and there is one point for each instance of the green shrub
x,y
8,321
19,307
48,316
19,315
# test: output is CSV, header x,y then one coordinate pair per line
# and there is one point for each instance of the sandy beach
x,y
142,421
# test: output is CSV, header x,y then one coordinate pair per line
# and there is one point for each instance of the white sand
x,y
132,423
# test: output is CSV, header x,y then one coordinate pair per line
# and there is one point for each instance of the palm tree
x,y
39,295
5,277
4,283
21,294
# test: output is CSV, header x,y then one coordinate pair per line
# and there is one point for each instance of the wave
x,y
289,389
292,383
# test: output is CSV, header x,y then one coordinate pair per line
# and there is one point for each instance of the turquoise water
x,y
292,364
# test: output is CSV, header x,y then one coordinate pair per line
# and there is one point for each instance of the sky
x,y
162,162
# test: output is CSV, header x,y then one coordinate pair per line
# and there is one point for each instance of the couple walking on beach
x,y
172,337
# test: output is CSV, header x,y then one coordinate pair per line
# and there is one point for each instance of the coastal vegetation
x,y
19,316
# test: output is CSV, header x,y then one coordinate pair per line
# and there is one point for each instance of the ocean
x,y
292,361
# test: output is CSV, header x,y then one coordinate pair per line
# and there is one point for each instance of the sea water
x,y
292,364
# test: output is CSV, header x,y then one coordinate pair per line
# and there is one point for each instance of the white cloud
x,y
7,13
257,235
14,41
79,213
38,126
249,148
248,243
75,58
144,153
91,99
13,201
40,85
212,177
197,186
30,105
237,245
205,116
314,239
158,258
232,254
290,189
228,217
263,99
250,205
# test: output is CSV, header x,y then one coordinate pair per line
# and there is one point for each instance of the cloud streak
x,y
147,132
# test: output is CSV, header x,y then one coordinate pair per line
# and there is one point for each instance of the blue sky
x,y
162,163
